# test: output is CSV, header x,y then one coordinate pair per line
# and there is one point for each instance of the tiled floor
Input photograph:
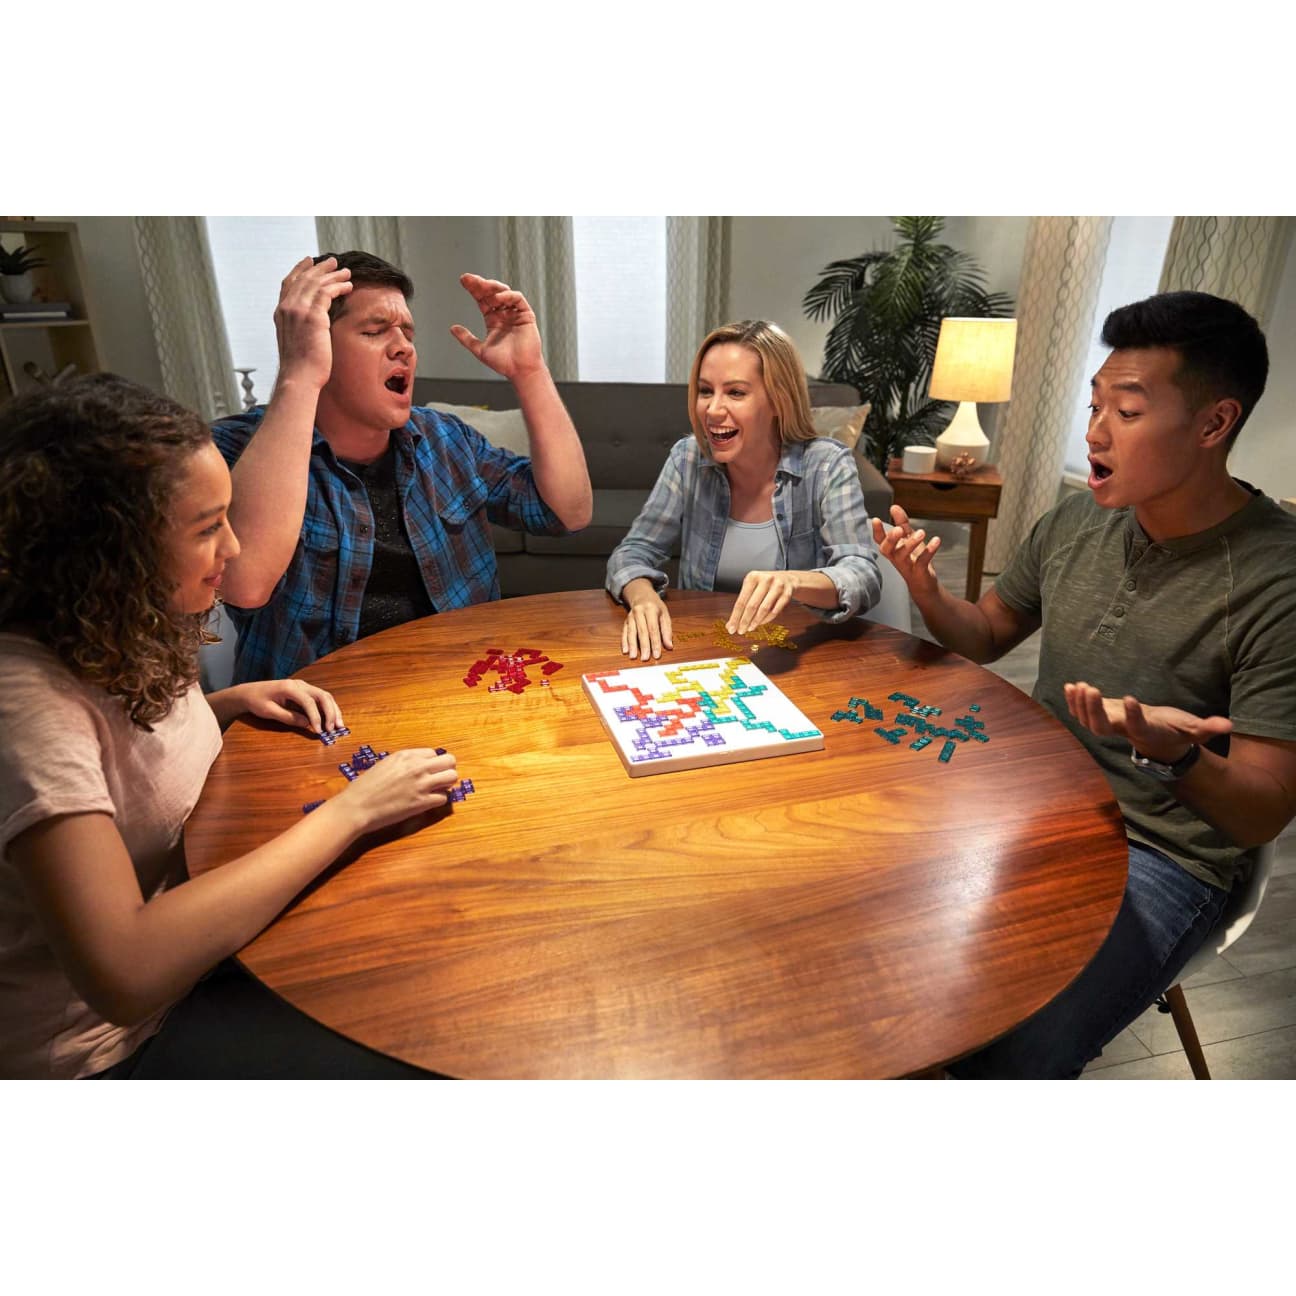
x,y
1244,1004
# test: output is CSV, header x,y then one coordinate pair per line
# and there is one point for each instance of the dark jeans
x,y
230,1027
1165,917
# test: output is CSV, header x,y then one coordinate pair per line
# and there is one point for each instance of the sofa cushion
x,y
614,511
843,423
503,428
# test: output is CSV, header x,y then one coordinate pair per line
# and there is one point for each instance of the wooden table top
x,y
860,911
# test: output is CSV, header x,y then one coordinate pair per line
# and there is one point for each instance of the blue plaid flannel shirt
x,y
822,523
452,482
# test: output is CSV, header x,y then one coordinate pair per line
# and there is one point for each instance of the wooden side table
x,y
940,495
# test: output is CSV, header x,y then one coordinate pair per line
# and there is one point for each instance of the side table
x,y
942,496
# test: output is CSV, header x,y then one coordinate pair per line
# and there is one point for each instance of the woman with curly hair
x,y
113,537
759,504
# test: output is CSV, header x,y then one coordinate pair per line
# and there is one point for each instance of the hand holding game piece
x,y
404,784
908,551
292,702
763,596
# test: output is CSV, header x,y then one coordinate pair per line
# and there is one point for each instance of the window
x,y
620,297
1134,258
252,254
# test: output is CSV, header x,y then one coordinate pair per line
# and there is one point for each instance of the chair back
x,y
1243,903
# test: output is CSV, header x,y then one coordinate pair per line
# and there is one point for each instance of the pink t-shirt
x,y
67,748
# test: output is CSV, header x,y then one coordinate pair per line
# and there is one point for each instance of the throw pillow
x,y
505,429
843,423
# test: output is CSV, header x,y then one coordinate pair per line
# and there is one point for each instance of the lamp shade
x,y
974,360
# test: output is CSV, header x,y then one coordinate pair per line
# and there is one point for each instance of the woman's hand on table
x,y
763,596
403,784
647,627
909,552
291,702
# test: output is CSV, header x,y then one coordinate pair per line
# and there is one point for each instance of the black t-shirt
x,y
395,592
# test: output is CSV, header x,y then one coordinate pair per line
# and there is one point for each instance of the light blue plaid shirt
x,y
819,514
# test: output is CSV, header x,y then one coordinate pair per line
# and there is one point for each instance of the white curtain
x,y
537,258
180,287
379,235
1238,257
697,286
1061,275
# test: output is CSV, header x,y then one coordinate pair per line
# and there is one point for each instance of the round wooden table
x,y
860,911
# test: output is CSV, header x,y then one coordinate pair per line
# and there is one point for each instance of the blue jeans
x,y
1164,918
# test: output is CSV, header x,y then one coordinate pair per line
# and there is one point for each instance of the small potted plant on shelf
x,y
16,265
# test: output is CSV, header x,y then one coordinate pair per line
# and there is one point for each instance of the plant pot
x,y
17,288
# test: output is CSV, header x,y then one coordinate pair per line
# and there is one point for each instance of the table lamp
x,y
974,362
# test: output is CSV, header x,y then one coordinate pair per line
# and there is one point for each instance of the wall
x,y
438,249
1265,453
115,285
775,259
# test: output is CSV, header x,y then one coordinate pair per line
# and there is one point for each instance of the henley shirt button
x,y
1119,611
1129,585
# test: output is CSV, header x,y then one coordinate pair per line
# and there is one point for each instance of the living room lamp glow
x,y
974,362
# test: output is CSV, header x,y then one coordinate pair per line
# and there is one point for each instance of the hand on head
x,y
512,343
908,551
302,319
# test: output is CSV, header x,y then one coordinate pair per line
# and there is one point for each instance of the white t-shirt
x,y
67,747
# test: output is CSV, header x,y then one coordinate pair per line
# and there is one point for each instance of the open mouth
x,y
1099,472
398,383
720,435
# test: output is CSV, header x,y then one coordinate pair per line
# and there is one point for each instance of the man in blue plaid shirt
x,y
357,512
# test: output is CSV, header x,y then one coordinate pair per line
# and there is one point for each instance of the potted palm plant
x,y
886,308
16,265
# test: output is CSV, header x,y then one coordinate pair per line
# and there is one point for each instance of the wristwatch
x,y
1160,770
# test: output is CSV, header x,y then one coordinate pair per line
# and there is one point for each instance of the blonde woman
x,y
760,504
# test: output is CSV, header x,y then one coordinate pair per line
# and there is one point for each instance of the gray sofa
x,y
627,430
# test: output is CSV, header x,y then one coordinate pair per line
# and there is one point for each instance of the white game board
x,y
688,715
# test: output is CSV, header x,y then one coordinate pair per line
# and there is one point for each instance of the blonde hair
x,y
781,371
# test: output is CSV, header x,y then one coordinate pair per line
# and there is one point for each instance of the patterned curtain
x,y
537,257
379,235
1061,274
1238,257
180,286
697,286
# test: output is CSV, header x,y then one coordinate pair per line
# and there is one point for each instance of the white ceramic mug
x,y
919,459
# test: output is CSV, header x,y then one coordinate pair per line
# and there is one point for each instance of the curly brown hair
x,y
87,471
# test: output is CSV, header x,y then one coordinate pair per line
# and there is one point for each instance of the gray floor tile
x,y
1168,1066
1219,969
1226,1011
1124,1048
1270,1055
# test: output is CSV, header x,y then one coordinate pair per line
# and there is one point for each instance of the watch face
x,y
1160,770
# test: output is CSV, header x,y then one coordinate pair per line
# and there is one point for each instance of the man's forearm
x,y
269,494
557,456
1246,802
958,625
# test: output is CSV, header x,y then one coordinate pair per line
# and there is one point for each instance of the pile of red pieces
x,y
511,668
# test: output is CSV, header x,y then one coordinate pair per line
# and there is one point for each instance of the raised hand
x,y
909,552
302,319
764,594
1163,733
512,343
405,783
